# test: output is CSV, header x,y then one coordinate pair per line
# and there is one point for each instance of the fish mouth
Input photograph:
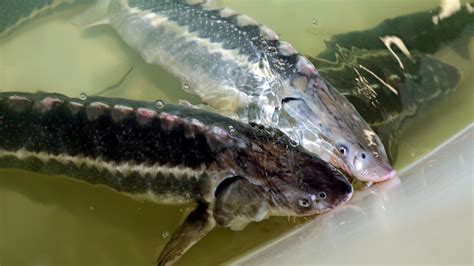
x,y
345,199
326,207
370,180
388,176
339,202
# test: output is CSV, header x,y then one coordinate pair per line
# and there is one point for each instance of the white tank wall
x,y
425,216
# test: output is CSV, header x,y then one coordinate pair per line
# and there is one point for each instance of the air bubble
x,y
91,208
159,104
186,87
187,195
83,96
165,234
293,139
315,22
232,131
294,143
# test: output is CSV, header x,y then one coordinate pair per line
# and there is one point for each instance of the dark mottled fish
x,y
236,173
418,31
389,84
369,78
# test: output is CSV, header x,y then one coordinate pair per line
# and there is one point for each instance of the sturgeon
x,y
237,65
388,85
417,30
240,66
236,173
366,77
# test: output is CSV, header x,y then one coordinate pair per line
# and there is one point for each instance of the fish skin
x,y
223,63
168,154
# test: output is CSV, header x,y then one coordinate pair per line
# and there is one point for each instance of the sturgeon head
x,y
386,95
329,125
353,145
277,179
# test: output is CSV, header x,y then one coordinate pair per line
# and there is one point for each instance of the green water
x,y
48,220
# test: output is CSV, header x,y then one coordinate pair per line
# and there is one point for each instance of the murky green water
x,y
48,220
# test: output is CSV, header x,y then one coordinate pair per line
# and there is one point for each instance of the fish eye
x,y
363,155
303,203
343,149
322,195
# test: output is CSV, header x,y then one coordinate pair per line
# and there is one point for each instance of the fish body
x,y
389,84
241,67
438,34
169,154
385,94
217,59
237,65
418,31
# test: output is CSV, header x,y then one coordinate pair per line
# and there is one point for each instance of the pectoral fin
x,y
238,203
198,223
